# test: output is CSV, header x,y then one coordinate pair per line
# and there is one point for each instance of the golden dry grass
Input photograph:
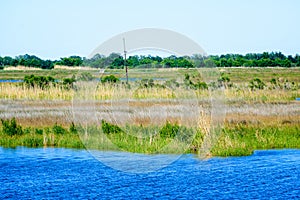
x,y
20,91
21,68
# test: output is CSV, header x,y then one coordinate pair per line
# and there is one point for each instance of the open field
x,y
253,118
236,74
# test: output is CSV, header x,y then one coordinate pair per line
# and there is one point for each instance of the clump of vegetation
x,y
57,129
10,127
38,81
281,83
109,128
195,82
169,130
109,79
73,129
69,82
224,80
256,83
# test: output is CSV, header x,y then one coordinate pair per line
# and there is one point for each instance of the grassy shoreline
x,y
235,140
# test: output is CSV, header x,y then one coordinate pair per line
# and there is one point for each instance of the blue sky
x,y
59,28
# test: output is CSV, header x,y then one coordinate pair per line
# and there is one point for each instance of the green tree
x,y
211,63
133,61
71,61
286,63
9,61
118,63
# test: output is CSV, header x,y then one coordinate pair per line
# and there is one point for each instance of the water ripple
x,y
59,173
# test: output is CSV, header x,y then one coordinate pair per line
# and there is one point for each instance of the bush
x,y
196,83
257,84
39,131
57,129
38,81
273,81
10,127
69,82
108,128
169,130
201,86
73,128
110,79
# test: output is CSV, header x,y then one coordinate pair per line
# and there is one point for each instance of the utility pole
x,y
126,68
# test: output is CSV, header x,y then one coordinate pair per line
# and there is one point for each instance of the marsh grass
x,y
33,139
21,91
240,139
240,94
235,140
171,138
246,95
257,119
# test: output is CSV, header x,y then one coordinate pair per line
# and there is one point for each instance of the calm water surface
x,y
58,173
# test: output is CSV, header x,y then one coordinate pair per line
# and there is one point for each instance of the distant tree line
x,y
116,61
34,61
26,60
273,59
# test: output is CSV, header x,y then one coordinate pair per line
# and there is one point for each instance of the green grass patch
x,y
241,140
235,140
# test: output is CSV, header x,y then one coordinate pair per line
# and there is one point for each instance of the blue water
x,y
74,174
10,81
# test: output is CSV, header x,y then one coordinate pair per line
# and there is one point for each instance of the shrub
x,y
108,128
57,129
73,128
224,80
38,81
39,131
10,127
201,86
110,79
169,130
257,84
273,81
69,82
196,83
